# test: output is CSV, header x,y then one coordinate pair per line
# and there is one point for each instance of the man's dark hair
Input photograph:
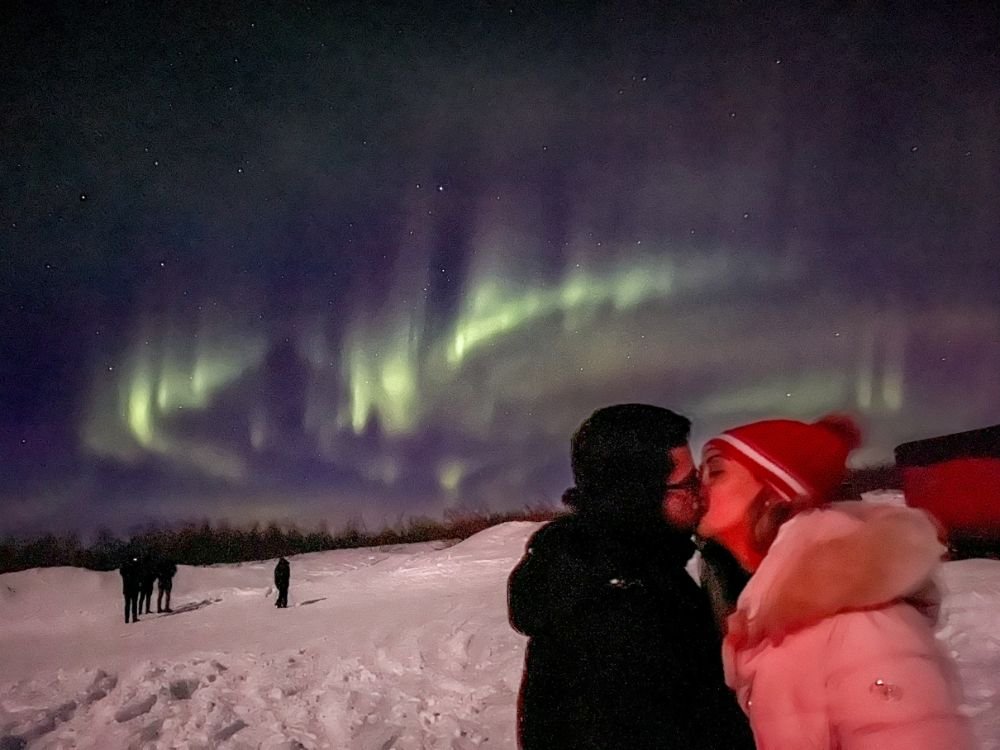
x,y
620,457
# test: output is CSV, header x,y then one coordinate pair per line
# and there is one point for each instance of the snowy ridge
x,y
399,647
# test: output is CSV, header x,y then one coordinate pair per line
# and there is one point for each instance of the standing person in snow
x,y
147,580
282,574
830,645
165,573
131,573
622,653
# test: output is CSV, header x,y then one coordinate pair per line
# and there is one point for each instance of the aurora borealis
x,y
360,262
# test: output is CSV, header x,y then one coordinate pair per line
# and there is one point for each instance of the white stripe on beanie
x,y
767,464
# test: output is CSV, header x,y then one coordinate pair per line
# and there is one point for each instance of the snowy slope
x,y
404,647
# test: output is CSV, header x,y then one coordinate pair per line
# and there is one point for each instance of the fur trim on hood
x,y
847,556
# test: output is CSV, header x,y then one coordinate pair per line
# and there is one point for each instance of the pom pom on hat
x,y
800,461
844,426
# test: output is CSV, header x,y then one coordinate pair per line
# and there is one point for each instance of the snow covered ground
x,y
404,647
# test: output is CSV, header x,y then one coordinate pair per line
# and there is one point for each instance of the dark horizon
x,y
359,262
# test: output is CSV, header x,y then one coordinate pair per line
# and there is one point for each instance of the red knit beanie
x,y
798,460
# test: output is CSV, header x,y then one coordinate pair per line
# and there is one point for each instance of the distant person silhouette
x,y
147,579
166,571
131,573
282,574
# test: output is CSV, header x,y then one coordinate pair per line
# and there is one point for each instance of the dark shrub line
x,y
207,544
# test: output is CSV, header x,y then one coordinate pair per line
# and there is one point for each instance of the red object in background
x,y
957,479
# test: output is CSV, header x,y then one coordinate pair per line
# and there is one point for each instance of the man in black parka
x,y
622,653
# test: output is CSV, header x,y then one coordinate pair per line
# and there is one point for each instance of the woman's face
x,y
728,491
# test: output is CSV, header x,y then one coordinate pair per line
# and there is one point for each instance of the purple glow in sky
x,y
376,260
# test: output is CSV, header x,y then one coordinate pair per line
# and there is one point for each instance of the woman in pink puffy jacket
x,y
831,644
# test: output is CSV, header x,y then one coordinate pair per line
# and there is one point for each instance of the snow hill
x,y
403,647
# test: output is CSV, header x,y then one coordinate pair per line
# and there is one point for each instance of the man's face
x,y
682,507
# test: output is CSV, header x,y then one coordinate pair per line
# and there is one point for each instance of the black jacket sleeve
x,y
555,582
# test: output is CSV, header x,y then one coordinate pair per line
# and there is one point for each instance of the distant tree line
x,y
207,544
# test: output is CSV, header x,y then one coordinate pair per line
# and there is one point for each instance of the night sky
x,y
361,261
